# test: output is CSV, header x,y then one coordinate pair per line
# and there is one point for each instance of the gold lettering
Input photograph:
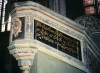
x,y
38,24
65,43
38,34
55,37
60,34
51,35
60,39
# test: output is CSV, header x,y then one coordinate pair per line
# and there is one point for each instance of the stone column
x,y
62,7
58,6
51,4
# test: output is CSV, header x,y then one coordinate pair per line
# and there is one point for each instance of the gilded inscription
x,y
68,44
46,33
57,39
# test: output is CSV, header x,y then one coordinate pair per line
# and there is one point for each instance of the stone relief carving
x,y
29,27
17,30
16,26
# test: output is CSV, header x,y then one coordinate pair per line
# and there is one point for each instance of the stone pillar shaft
x,y
58,6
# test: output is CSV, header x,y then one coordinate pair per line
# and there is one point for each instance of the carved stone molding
x,y
25,56
22,50
25,41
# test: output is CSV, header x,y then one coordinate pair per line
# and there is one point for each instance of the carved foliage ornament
x,y
90,22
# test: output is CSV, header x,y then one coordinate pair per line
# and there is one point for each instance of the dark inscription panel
x,y
69,45
57,39
45,34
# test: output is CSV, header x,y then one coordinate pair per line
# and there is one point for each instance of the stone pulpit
x,y
44,41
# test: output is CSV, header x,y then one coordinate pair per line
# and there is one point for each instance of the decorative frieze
x,y
22,50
